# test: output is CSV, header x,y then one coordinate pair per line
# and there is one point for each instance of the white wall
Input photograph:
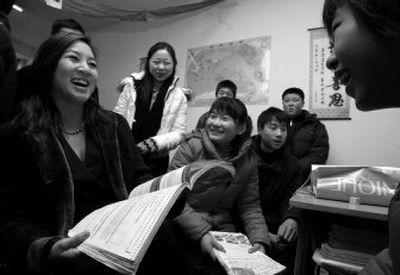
x,y
369,138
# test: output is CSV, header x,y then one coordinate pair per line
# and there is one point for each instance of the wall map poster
x,y
327,100
245,62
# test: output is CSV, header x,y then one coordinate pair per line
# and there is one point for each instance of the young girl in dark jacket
x,y
209,206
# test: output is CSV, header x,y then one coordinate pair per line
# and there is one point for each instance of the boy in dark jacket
x,y
279,175
307,137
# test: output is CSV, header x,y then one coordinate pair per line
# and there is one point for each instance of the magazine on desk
x,y
238,261
120,233
373,185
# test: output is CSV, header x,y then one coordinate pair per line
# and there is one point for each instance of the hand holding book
x,y
238,260
120,233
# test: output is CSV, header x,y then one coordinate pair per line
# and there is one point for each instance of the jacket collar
x,y
137,76
271,160
243,148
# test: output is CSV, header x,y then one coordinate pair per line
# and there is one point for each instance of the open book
x,y
237,260
120,233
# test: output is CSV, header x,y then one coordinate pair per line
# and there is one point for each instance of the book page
x,y
123,228
167,180
121,232
186,175
237,260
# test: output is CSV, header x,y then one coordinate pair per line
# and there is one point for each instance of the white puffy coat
x,y
173,122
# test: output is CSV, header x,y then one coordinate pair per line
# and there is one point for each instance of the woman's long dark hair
x,y
39,114
144,87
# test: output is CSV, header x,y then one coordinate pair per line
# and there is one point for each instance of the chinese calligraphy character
x,y
336,100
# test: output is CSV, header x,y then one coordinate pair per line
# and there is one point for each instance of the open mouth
x,y
82,83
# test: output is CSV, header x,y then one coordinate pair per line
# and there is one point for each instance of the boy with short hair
x,y
307,137
279,175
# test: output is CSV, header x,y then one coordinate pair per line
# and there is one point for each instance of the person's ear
x,y
242,128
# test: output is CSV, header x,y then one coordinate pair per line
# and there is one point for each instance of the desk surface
x,y
304,199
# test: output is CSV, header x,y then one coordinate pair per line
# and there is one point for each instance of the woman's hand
x,y
207,243
146,146
257,247
142,148
64,253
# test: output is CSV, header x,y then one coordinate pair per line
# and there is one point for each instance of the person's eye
x,y
92,64
74,58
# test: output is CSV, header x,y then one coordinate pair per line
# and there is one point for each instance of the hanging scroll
x,y
327,99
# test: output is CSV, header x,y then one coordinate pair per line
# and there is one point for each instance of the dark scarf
x,y
147,122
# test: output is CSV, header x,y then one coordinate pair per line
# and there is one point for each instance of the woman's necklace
x,y
72,132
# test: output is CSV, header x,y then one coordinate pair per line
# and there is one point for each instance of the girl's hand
x,y
207,243
257,247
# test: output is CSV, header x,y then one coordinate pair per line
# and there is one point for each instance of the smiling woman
x,y
155,107
75,77
61,158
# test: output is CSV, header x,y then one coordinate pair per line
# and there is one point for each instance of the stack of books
x,y
349,246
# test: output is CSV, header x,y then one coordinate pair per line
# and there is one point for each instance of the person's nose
x,y
278,132
83,67
216,121
332,62
161,66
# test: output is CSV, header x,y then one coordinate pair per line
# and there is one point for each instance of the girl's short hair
x,y
232,107
381,16
226,84
269,114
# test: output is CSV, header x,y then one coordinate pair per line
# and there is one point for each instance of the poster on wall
x,y
245,62
327,99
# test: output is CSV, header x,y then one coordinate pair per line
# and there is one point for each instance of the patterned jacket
x,y
209,206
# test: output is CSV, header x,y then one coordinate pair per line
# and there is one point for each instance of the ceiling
x,y
96,14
